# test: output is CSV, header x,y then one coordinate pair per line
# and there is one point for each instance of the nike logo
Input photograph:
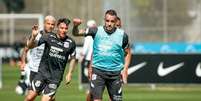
x,y
198,70
165,71
136,67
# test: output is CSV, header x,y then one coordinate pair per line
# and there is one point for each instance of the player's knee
x,y
97,100
46,98
29,98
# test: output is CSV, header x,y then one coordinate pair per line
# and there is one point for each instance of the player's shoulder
x,y
91,30
51,35
120,30
100,28
42,32
70,40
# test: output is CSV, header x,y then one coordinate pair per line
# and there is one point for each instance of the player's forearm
x,y
31,42
71,66
22,62
77,32
127,58
24,54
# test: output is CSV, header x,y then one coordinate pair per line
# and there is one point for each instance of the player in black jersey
x,y
58,47
30,59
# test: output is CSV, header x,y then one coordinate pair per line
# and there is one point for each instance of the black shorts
x,y
112,82
42,84
31,77
84,66
85,63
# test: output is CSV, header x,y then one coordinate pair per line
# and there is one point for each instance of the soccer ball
x,y
21,88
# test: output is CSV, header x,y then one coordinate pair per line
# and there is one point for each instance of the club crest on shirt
x,y
37,83
66,44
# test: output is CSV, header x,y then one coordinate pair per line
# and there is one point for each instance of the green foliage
x,y
14,5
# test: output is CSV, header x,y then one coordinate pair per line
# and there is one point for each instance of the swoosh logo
x,y
198,70
165,71
136,67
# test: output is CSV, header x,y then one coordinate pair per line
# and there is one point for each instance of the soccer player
x,y
58,47
87,47
30,62
118,22
111,57
86,53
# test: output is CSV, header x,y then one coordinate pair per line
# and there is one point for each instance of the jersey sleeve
x,y
91,31
38,37
125,41
42,39
73,50
88,41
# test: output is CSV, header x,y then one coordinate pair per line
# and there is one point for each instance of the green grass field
x,y
131,92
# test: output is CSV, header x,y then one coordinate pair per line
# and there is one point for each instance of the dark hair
x,y
111,12
63,20
118,18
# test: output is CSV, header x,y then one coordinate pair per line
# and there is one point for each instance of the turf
x,y
140,92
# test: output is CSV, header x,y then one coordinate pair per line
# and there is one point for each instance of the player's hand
x,y
34,30
82,31
77,21
21,65
68,78
124,75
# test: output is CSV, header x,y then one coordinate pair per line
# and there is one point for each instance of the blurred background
x,y
143,20
154,27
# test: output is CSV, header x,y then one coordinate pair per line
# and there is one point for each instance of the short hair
x,y
91,23
118,18
63,20
50,17
111,12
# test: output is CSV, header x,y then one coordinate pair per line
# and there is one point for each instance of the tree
x,y
14,5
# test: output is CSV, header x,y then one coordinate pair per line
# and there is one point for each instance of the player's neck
x,y
62,37
110,31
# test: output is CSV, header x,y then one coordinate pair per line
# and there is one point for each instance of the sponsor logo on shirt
x,y
54,52
56,49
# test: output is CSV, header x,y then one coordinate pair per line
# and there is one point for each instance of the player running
x,y
111,57
30,58
58,47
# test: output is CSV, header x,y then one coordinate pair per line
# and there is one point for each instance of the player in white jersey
x,y
23,83
87,47
36,54
32,60
86,53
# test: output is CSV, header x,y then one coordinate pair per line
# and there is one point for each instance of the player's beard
x,y
109,28
49,30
